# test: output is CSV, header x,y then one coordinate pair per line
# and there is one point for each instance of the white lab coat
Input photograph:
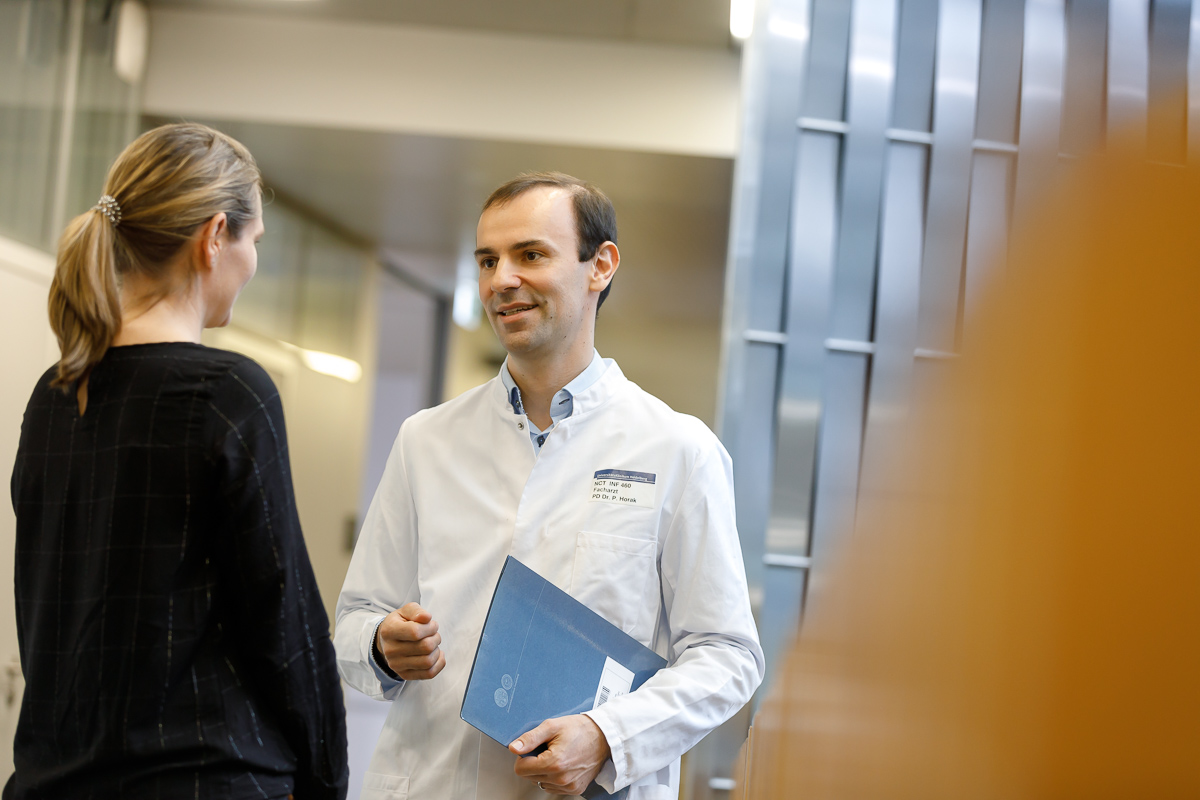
x,y
463,488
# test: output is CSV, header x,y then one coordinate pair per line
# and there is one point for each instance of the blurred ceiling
x,y
416,198
703,23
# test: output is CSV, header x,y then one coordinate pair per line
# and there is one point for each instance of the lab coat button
x,y
520,426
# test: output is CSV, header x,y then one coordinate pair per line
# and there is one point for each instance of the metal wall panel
x,y
958,57
814,231
1001,44
773,72
916,54
928,131
825,82
1193,87
774,65
898,300
987,233
1042,67
1128,67
871,73
1083,117
872,69
1167,80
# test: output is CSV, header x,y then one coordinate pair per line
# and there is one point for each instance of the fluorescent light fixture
x,y
131,41
466,304
466,309
329,364
741,18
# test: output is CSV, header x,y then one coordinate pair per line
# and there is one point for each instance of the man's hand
x,y
408,638
577,750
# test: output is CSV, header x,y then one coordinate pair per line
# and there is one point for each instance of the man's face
x,y
537,294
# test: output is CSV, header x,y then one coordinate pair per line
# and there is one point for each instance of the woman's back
x,y
172,634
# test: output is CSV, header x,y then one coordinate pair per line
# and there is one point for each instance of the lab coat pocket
x,y
616,577
377,786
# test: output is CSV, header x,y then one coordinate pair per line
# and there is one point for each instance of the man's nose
x,y
505,276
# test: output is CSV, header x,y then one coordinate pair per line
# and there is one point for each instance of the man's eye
x,y
532,256
487,263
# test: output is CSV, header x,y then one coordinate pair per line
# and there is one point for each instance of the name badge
x,y
623,487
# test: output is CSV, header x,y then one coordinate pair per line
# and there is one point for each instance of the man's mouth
x,y
517,310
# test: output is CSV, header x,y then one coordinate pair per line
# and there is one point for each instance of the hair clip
x,y
109,207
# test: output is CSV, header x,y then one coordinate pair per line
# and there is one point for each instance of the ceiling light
x,y
741,18
329,364
131,42
466,309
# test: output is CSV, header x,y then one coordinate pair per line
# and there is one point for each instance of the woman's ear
x,y
209,241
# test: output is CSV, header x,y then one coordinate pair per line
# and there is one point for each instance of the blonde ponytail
x,y
85,299
167,183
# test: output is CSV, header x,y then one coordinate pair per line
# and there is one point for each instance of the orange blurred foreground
x,y
1017,614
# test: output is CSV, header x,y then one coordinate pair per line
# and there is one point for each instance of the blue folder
x,y
543,654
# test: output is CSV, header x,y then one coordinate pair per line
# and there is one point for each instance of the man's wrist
x,y
615,762
605,749
377,655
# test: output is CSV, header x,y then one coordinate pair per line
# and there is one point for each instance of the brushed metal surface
x,y
958,47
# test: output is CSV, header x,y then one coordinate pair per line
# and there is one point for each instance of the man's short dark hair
x,y
595,217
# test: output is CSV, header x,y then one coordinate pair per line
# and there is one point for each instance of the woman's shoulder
x,y
244,373
191,360
227,380
44,394
240,381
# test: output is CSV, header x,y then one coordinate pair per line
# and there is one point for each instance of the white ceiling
x,y
703,23
416,197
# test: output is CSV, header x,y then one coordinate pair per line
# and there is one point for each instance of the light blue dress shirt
x,y
563,403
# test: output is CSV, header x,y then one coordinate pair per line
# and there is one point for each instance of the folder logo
x,y
501,694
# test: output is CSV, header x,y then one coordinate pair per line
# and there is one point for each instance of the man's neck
x,y
540,381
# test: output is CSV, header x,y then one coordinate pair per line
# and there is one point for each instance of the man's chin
x,y
519,343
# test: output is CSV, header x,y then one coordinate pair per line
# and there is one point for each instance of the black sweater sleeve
x,y
275,617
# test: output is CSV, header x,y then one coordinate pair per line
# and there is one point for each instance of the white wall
x,y
367,76
406,342
27,348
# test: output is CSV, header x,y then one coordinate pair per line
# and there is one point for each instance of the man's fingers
x,y
419,671
421,661
394,649
539,735
414,613
398,628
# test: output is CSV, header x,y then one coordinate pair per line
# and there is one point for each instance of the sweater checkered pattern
x,y
172,637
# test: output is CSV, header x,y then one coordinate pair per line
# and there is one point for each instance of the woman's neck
x,y
170,318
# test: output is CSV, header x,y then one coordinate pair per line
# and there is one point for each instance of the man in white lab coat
x,y
508,469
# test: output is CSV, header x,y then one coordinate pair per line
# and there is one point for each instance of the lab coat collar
x,y
608,385
562,405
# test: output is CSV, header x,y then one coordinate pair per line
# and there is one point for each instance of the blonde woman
x,y
172,637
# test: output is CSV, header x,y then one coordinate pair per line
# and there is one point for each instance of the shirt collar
x,y
563,403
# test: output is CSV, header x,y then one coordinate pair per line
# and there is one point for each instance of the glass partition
x,y
33,68
105,110
64,113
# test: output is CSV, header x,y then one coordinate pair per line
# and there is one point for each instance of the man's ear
x,y
604,266
207,244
